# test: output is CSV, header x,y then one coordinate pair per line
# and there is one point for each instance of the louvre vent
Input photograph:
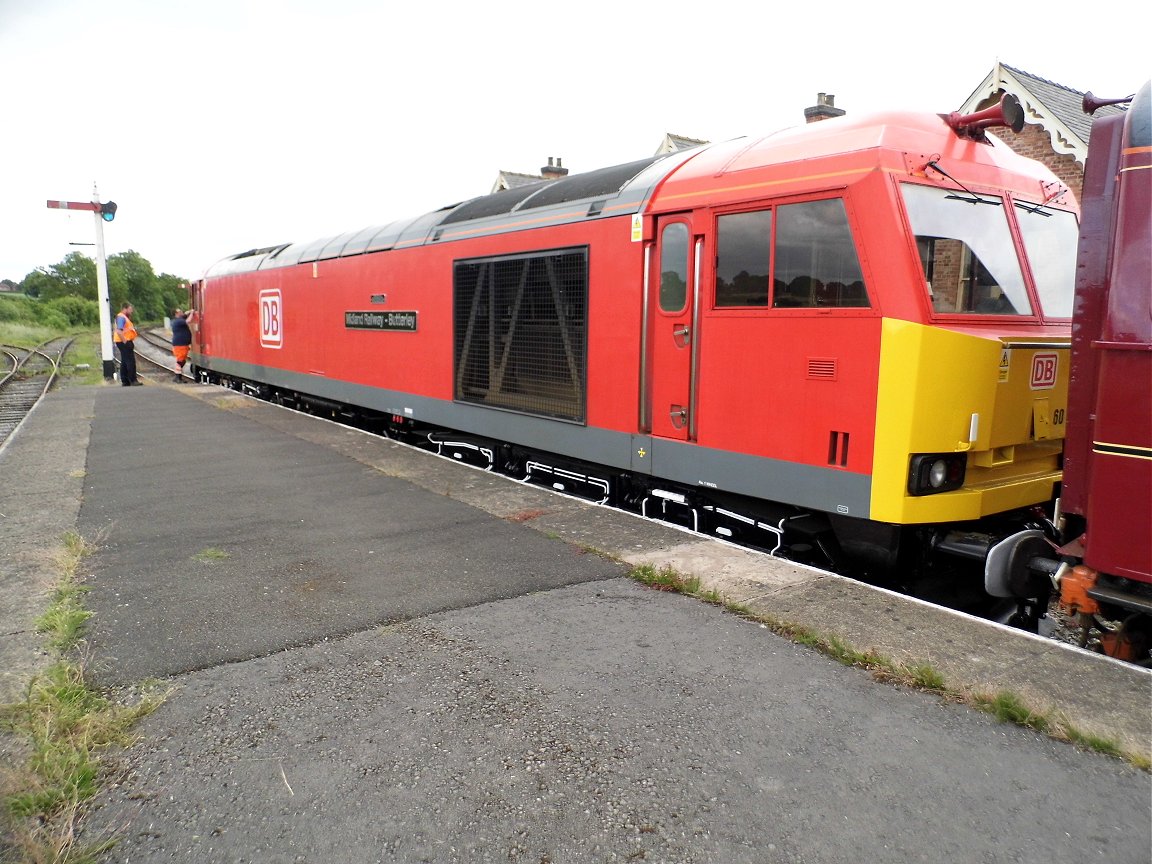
x,y
838,448
822,368
521,325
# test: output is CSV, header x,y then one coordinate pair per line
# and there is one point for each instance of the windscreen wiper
x,y
1038,209
975,199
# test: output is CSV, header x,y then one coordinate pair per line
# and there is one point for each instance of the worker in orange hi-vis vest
x,y
181,341
125,339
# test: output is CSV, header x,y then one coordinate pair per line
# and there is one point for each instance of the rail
x,y
33,372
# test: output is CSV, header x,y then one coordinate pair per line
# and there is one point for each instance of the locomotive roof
x,y
714,174
613,191
593,194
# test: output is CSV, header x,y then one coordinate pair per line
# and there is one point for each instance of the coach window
x,y
816,261
673,267
743,258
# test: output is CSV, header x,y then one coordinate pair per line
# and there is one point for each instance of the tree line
x,y
67,291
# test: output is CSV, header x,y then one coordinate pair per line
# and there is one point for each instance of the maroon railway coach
x,y
1107,492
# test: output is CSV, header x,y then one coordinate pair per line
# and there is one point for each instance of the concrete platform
x,y
1099,695
244,545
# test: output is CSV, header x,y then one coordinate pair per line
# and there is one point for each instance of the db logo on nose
x,y
1044,368
271,319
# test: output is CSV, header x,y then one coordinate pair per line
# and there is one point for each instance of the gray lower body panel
x,y
827,489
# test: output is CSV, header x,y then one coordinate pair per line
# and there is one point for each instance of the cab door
x,y
672,322
196,318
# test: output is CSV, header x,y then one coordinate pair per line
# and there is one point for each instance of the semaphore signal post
x,y
104,212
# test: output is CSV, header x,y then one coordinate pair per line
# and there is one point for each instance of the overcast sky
x,y
222,125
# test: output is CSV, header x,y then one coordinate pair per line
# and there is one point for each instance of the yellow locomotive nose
x,y
997,406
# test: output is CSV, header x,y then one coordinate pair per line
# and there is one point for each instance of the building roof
x,y
513,180
674,143
1054,107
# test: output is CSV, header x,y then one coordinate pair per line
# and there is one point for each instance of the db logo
x,y
1044,367
271,319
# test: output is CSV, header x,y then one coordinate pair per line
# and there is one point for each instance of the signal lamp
x,y
108,211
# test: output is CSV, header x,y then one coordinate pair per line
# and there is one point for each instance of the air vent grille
x,y
822,368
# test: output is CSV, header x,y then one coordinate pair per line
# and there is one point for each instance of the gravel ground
x,y
602,722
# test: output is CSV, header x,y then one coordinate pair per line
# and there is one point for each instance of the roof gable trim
x,y
1036,113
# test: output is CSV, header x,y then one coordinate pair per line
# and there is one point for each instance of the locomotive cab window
x,y
816,262
743,258
966,251
791,256
1050,238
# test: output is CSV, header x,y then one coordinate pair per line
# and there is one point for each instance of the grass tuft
x,y
1100,745
1009,708
65,726
63,621
666,579
207,556
926,677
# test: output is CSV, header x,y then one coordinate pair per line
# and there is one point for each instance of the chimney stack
x,y
824,109
553,172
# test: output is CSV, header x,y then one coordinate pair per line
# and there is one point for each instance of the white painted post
x,y
102,291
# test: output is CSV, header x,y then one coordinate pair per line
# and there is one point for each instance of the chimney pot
x,y
553,170
824,109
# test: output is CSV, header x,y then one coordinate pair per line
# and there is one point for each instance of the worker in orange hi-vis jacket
x,y
125,339
181,341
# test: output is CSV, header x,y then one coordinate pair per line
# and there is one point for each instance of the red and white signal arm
x,y
1045,368
271,319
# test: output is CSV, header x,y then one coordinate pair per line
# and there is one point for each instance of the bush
x,y
78,311
63,313
53,319
27,320
18,309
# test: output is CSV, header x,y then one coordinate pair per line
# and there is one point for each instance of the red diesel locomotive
x,y
845,343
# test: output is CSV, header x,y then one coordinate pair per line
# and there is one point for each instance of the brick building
x,y
1056,129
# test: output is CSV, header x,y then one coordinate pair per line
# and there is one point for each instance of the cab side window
x,y
792,256
743,258
816,261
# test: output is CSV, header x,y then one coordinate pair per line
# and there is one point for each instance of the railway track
x,y
156,339
28,373
154,356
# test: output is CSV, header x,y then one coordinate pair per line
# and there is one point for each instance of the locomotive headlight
x,y
930,473
937,473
